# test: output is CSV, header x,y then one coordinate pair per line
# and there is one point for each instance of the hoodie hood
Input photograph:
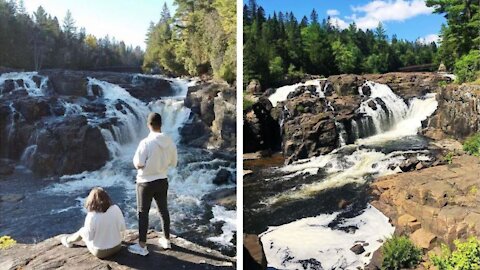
x,y
160,139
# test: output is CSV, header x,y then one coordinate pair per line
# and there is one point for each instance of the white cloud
x,y
339,23
429,39
383,11
333,12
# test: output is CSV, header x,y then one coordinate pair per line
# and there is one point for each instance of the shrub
x,y
300,109
448,157
467,66
399,252
466,256
6,242
247,102
472,145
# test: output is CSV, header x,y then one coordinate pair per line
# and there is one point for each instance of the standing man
x,y
154,155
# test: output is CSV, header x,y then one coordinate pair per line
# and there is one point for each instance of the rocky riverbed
x,y
337,136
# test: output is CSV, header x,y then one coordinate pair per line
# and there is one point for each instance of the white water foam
x,y
281,93
299,244
418,110
229,227
29,83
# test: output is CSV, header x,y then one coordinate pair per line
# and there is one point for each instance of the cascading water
x,y
123,125
384,137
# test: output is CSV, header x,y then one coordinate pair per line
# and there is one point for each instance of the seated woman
x,y
104,224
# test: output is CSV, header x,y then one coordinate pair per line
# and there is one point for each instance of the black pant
x,y
145,192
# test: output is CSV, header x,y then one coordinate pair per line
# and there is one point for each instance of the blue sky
x,y
126,20
408,19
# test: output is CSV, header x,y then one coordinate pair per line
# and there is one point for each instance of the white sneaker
x,y
164,243
65,242
137,249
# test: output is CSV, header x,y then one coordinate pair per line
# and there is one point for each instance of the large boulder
x,y
261,130
309,135
67,146
435,203
213,107
66,82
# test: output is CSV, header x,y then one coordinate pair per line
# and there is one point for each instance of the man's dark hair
x,y
155,120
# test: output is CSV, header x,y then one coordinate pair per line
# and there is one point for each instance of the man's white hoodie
x,y
156,153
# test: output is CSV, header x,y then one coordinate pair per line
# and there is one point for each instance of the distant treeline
x,y
199,39
278,47
460,49
40,41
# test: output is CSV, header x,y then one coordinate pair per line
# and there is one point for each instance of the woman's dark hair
x,y
98,201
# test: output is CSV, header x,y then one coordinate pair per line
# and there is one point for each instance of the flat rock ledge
x,y
434,205
51,254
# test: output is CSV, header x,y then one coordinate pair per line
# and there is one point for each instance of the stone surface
x,y
69,146
51,254
260,130
254,87
223,177
213,124
458,113
357,249
441,200
404,84
254,256
423,238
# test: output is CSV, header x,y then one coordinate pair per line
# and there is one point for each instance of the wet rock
x,y
38,80
372,105
66,82
404,84
68,146
261,130
312,89
225,197
357,249
11,197
8,86
150,88
366,90
97,90
223,177
7,166
309,135
32,109
409,164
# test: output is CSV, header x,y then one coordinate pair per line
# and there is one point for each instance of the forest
x,y
42,41
199,39
279,48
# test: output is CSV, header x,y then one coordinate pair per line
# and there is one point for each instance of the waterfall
x,y
281,93
26,80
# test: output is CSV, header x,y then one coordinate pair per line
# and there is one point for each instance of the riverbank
x,y
51,253
434,205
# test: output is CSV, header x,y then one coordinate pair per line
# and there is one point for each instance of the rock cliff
x,y
213,118
458,113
